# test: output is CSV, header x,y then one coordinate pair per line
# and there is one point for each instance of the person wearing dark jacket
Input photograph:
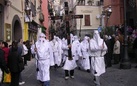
x,y
29,50
3,65
135,48
20,45
108,54
14,55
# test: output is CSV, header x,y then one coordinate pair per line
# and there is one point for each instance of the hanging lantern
x,y
41,17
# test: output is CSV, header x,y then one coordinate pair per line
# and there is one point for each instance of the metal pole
x,y
106,27
107,21
80,29
125,64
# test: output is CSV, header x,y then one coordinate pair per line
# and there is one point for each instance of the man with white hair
x,y
98,49
43,52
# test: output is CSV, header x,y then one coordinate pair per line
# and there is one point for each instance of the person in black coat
x,y
135,48
108,54
3,65
28,55
14,54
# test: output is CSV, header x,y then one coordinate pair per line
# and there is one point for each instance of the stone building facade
x,y
19,19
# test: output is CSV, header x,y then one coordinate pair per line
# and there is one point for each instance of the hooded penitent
x,y
98,49
97,38
41,38
41,43
43,57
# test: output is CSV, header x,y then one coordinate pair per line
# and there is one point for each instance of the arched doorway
x,y
17,29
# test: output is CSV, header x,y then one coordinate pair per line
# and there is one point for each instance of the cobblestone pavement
x,y
82,78
113,77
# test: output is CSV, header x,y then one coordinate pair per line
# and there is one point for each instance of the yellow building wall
x,y
25,31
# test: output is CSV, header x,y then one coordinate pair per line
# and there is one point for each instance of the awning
x,y
33,26
35,23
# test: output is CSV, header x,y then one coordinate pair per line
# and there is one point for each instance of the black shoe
x,y
136,66
88,70
94,79
55,66
79,68
26,65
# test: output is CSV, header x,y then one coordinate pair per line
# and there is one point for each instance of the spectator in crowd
x,y
25,52
108,54
28,45
135,48
116,50
14,55
3,66
20,44
6,50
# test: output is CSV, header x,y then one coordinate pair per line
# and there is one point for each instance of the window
x,y
87,20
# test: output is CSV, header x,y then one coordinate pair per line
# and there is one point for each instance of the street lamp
x,y
125,64
108,12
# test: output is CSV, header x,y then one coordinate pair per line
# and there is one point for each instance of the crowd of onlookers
x,y
9,55
119,36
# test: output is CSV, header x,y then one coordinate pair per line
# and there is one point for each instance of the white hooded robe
x,y
98,49
85,54
69,64
43,55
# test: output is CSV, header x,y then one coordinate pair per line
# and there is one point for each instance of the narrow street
x,y
113,77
